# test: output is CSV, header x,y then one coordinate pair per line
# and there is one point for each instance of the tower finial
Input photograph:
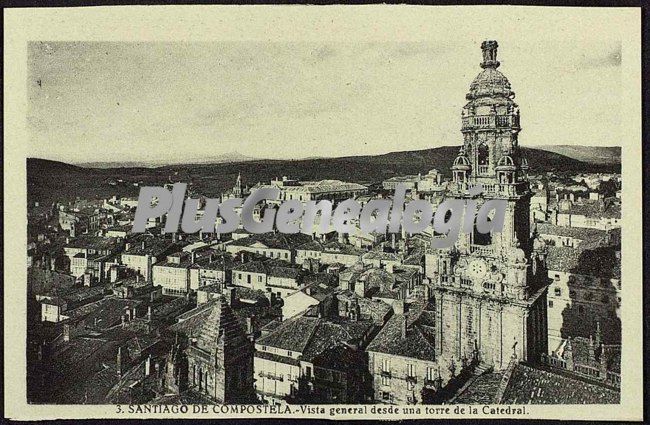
x,y
489,48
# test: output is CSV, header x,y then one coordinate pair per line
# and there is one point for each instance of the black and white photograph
x,y
331,224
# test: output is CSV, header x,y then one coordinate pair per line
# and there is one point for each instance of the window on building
x,y
289,353
558,292
410,370
431,374
385,380
550,304
248,278
385,395
557,276
483,155
385,365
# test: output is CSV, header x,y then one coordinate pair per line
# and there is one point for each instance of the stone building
x,y
220,358
402,357
331,190
143,251
318,356
490,300
585,290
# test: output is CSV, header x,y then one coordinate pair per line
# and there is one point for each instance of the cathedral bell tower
x,y
490,155
489,306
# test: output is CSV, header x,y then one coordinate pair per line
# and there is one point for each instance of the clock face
x,y
477,269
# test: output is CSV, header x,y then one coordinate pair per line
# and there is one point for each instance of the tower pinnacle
x,y
489,48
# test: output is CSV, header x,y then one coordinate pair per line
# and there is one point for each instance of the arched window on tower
x,y
483,158
479,238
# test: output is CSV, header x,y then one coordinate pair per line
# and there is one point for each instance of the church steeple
x,y
490,124
237,189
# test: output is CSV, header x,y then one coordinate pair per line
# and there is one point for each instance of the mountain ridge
x,y
592,154
50,181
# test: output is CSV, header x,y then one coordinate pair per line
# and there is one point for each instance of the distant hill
x,y
592,154
49,181
217,159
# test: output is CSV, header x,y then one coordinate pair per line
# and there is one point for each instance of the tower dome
x,y
490,82
506,164
461,162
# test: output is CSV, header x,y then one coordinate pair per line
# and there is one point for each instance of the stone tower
x,y
489,306
220,359
237,189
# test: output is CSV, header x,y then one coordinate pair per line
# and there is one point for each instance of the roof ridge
x,y
319,321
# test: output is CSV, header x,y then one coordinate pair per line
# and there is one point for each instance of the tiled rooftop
x,y
529,385
581,233
482,390
292,334
419,340
274,240
598,262
93,242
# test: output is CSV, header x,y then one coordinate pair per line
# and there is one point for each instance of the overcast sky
x,y
95,101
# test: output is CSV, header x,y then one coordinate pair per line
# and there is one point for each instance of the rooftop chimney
x,y
119,361
147,366
229,294
398,306
249,326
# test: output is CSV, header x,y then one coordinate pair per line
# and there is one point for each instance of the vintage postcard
x,y
368,212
